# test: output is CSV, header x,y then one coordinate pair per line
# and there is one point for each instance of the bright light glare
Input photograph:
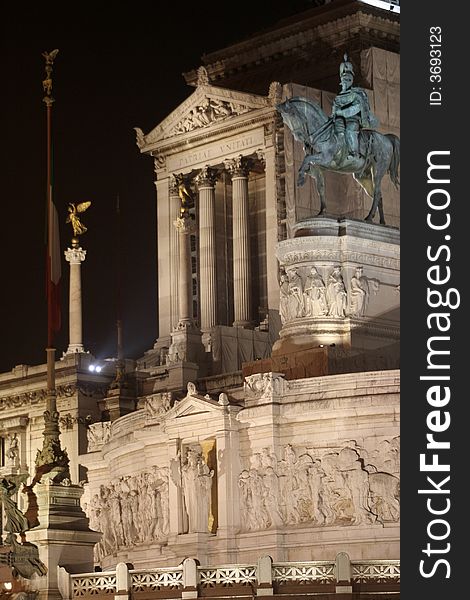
x,y
91,368
8,585
393,6
98,369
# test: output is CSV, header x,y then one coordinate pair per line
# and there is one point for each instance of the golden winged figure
x,y
50,56
72,217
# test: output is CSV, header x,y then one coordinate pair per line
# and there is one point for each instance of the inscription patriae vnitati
x,y
210,152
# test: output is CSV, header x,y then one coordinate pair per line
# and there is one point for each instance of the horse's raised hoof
x,y
369,219
321,212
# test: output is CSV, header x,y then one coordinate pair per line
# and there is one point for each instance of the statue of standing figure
x,y
359,294
296,301
315,295
197,487
336,294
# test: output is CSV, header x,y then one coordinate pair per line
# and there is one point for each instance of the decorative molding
x,y
75,256
239,166
63,391
206,177
266,385
98,434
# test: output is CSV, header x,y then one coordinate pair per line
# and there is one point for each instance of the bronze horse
x,y
326,150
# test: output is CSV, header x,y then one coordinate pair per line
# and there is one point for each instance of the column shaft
x,y
241,251
75,256
207,250
75,306
175,204
185,279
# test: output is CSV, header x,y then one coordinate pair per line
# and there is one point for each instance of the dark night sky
x,y
119,66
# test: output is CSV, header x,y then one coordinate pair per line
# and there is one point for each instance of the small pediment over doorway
x,y
194,403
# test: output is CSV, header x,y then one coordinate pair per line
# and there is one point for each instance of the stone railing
x,y
188,580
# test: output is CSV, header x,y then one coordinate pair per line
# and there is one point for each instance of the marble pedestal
x,y
62,536
340,290
118,402
186,359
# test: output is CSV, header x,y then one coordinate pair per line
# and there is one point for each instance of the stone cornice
x,y
216,132
39,395
331,27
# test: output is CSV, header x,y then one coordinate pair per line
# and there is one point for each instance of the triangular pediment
x,y
193,405
206,107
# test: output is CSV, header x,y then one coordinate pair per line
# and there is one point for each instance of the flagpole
x,y
50,350
51,458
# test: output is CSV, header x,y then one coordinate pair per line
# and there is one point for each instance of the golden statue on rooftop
x,y
72,217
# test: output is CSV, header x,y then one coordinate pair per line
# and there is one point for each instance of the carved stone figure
x,y
130,510
333,488
315,295
295,302
158,404
98,434
385,494
284,299
202,76
12,453
211,110
197,485
358,294
336,294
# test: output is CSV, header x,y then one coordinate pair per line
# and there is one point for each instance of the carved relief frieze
x,y
304,292
210,111
98,434
63,391
266,385
343,486
130,511
156,405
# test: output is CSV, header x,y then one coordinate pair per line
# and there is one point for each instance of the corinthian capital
x,y
238,167
206,177
75,256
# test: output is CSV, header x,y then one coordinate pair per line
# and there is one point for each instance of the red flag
x,y
53,271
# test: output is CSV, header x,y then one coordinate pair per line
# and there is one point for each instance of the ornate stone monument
x,y
339,278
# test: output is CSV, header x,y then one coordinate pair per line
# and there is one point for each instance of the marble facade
x,y
213,445
277,460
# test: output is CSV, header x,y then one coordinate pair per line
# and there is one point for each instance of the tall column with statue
x,y
75,256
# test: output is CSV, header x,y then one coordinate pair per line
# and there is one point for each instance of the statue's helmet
x,y
346,67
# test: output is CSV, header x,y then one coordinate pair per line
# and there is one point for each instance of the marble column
x,y
238,168
174,207
75,256
185,227
207,253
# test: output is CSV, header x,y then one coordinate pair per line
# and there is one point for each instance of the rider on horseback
x,y
351,111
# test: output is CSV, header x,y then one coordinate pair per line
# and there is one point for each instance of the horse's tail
x,y
395,160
